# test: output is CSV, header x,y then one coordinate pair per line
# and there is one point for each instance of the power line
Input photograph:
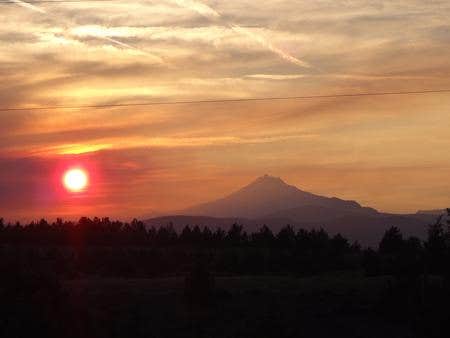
x,y
160,103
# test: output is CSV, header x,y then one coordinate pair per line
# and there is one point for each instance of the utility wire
x,y
279,98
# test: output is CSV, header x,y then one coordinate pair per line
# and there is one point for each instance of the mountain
x,y
270,201
319,213
250,225
265,196
179,221
432,212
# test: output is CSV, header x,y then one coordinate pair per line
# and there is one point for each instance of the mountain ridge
x,y
263,196
268,200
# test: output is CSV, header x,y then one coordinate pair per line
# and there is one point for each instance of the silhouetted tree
x,y
286,237
219,236
186,235
339,245
235,236
392,241
371,263
166,235
263,238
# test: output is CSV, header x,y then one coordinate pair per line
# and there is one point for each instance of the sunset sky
x,y
387,152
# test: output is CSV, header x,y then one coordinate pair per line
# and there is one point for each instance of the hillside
x,y
265,196
270,201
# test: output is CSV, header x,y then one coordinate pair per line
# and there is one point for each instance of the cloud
x,y
29,6
276,76
178,153
267,44
100,36
198,7
208,12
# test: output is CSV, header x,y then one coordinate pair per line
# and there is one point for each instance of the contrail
x,y
198,7
263,42
210,13
29,6
106,38
126,45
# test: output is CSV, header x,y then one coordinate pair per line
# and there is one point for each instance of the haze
x,y
386,152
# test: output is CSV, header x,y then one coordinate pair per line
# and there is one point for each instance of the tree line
x,y
114,248
104,232
37,260
105,247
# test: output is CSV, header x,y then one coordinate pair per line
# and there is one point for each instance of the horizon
x,y
179,212
116,92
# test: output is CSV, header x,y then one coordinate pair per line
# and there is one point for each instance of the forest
x,y
103,278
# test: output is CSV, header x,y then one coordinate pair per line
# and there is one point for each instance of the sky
x,y
387,152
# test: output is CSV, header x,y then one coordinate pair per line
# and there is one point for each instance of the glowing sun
x,y
75,180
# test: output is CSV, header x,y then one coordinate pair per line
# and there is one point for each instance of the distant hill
x,y
270,201
433,212
365,229
319,213
180,221
264,196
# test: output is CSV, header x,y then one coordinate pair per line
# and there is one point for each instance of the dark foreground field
x,y
102,279
340,305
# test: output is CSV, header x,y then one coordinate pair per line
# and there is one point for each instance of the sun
x,y
75,180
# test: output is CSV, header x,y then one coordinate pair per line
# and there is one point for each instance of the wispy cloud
x,y
267,44
106,38
210,13
350,76
29,6
275,76
83,54
198,7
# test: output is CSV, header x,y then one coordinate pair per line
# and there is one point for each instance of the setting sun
x,y
75,180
